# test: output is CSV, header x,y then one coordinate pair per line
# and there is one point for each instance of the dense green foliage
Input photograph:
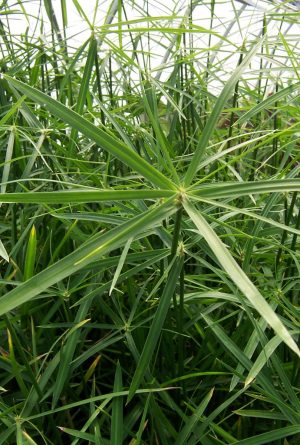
x,y
149,226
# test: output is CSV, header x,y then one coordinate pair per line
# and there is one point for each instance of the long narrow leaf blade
x,y
192,421
270,436
84,86
262,359
117,410
3,252
213,119
103,139
265,104
234,189
156,326
253,215
100,244
239,277
120,265
79,196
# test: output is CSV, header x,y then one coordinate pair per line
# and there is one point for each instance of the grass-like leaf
x,y
271,436
156,326
270,100
104,135
192,421
103,139
117,410
91,250
81,196
3,252
215,114
232,190
239,277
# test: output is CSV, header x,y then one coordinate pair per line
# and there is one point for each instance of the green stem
x,y
176,233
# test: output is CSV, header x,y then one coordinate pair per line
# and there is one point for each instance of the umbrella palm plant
x,y
146,206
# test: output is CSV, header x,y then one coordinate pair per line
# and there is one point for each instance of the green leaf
x,y
30,255
271,436
239,277
265,104
19,434
216,112
15,107
79,434
88,252
163,147
71,67
8,158
259,414
84,88
79,195
68,349
120,265
236,189
117,411
264,381
193,420
29,439
156,326
103,139
108,397
262,359
250,348
236,210
3,252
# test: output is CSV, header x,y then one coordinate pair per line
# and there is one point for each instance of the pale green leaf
x,y
3,252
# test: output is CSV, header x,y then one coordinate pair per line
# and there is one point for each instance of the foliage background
x,y
149,224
